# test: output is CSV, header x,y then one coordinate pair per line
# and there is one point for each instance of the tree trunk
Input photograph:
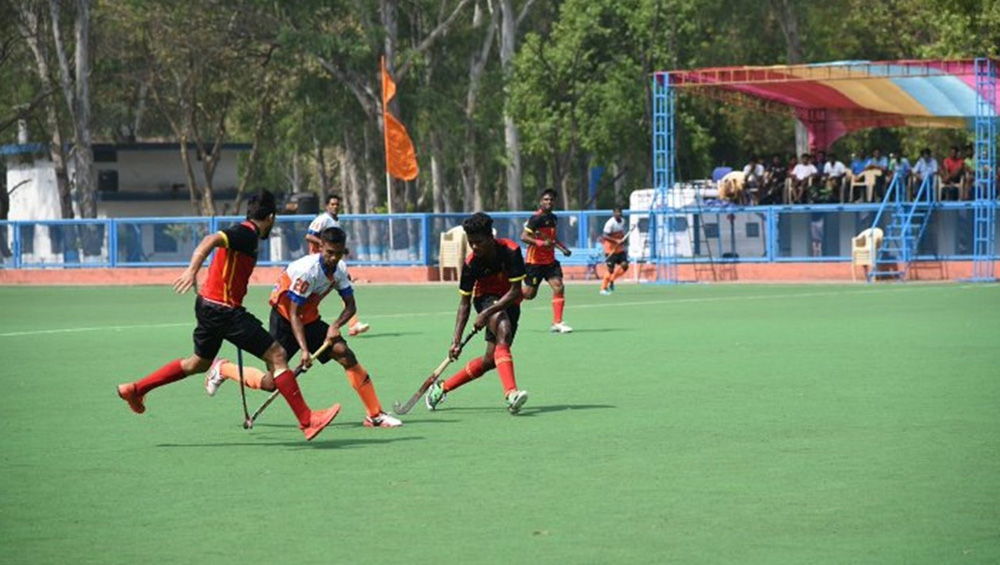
x,y
437,174
508,32
83,151
788,20
263,111
30,27
189,176
322,173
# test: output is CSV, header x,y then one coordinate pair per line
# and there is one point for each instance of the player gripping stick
x,y
221,316
331,219
540,235
296,325
491,282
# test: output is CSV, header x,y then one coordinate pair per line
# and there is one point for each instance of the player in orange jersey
x,y
221,316
491,281
331,219
540,235
615,256
296,325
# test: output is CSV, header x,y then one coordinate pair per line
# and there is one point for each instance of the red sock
x,y
472,370
165,375
293,395
505,366
558,301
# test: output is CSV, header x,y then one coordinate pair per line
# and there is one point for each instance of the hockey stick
x,y
247,423
298,371
404,408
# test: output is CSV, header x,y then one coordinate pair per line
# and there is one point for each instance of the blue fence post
x,y
772,234
113,242
16,244
425,235
582,239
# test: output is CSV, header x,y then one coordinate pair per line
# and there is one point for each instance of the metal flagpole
x,y
388,198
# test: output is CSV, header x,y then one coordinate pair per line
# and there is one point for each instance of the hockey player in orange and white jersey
x,y
297,326
331,219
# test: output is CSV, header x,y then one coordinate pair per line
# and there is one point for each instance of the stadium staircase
x,y
906,222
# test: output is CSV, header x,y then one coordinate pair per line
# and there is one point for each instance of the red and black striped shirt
x,y
493,277
232,264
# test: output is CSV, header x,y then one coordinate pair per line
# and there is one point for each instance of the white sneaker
x,y
560,328
605,292
358,328
382,420
515,400
214,378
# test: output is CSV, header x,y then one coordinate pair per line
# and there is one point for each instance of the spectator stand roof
x,y
836,98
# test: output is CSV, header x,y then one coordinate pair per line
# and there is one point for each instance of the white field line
x,y
610,303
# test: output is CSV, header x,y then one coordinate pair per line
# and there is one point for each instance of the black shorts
x,y
538,273
513,314
235,325
616,259
281,329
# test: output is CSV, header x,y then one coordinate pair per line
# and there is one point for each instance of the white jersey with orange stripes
x,y
306,282
320,223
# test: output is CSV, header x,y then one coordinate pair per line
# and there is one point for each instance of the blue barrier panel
x,y
710,232
158,242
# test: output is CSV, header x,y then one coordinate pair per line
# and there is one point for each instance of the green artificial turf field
x,y
690,424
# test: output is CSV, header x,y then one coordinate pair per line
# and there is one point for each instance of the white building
x,y
132,180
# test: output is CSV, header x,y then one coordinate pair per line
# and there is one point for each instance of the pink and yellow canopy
x,y
836,98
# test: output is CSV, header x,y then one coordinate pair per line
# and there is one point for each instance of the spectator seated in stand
x,y
899,166
926,167
834,179
731,187
878,162
858,162
803,179
952,176
970,172
774,181
753,180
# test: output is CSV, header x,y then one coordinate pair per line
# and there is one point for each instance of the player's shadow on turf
x,y
531,410
327,443
585,330
368,336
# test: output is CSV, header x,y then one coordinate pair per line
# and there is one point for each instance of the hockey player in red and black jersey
x,y
491,282
221,316
540,235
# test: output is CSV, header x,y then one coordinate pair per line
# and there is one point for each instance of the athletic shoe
x,y
358,328
560,328
515,400
605,292
128,393
435,395
382,420
214,378
319,420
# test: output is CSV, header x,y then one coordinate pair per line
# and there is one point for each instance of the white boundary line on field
x,y
610,303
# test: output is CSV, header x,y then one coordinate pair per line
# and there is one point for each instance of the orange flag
x,y
400,157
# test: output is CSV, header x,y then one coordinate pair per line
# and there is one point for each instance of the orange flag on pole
x,y
400,157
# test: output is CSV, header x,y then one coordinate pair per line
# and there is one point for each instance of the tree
x,y
34,28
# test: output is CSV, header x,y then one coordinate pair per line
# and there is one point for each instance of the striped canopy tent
x,y
833,99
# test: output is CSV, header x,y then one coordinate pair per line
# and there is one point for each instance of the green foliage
x,y
580,92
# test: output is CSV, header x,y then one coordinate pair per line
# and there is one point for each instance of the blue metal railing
x,y
704,233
